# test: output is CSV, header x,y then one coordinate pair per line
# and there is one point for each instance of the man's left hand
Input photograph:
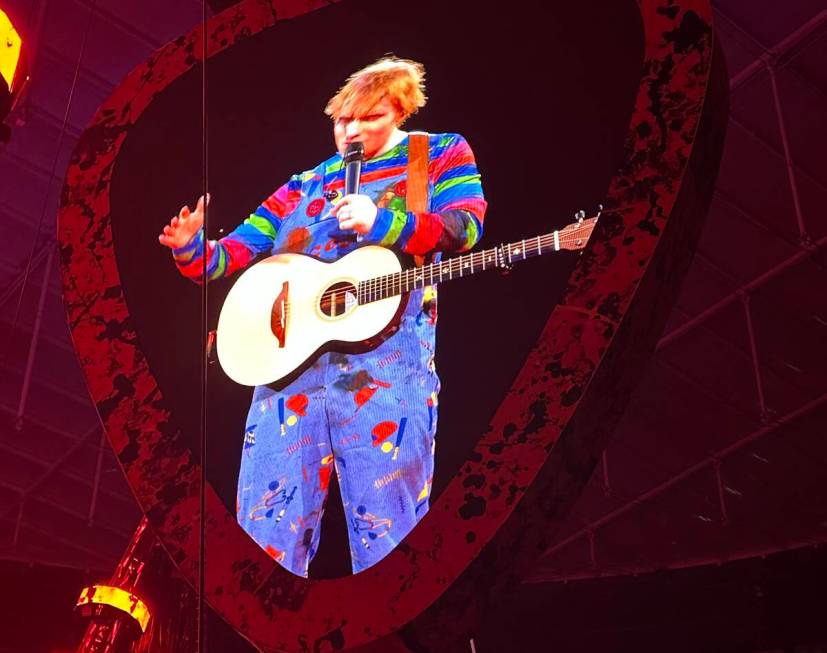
x,y
356,212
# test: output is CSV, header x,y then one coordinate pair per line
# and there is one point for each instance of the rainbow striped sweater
x,y
296,218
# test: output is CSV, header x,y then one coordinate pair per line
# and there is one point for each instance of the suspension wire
x,y
202,498
51,242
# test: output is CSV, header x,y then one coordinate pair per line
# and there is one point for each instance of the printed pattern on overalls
x,y
370,418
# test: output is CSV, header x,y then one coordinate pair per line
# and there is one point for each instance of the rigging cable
x,y
33,254
202,498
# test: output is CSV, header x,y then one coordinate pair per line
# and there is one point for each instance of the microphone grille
x,y
354,152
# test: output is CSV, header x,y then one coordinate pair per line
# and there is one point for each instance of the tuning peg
x,y
580,215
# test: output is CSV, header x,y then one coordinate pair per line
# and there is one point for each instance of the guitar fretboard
x,y
504,256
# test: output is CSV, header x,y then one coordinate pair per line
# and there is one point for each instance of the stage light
x,y
115,597
13,74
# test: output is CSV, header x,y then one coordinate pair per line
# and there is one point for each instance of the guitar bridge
x,y
279,314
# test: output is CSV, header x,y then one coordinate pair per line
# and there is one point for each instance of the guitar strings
x,y
377,285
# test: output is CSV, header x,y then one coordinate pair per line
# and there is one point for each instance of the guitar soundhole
x,y
338,299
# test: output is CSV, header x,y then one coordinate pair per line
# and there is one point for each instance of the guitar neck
x,y
504,256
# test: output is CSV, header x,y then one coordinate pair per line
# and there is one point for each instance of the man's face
x,y
372,128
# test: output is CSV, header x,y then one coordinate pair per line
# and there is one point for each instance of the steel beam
x,y
96,485
697,561
730,204
97,566
119,496
756,364
38,323
788,157
690,471
81,400
57,343
20,218
84,74
751,286
774,150
13,554
17,282
126,28
780,54
38,482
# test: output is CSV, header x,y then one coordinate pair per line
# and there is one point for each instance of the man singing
x,y
370,417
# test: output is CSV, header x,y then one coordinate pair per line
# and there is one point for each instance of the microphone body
x,y
354,157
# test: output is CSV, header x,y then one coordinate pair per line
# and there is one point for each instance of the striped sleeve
x,y
454,222
237,249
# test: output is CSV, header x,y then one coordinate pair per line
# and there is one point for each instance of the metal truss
x,y
712,461
778,55
101,561
107,16
119,496
745,289
28,493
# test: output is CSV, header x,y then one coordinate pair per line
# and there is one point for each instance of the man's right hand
x,y
184,226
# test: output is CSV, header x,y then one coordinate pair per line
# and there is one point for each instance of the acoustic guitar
x,y
285,311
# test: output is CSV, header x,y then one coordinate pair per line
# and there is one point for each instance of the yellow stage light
x,y
10,47
117,598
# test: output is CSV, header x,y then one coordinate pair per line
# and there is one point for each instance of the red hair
x,y
399,80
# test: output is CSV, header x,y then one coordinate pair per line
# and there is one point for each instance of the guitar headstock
x,y
577,234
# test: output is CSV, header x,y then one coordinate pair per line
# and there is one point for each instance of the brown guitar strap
x,y
416,198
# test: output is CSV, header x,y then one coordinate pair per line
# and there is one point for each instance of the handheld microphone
x,y
354,156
